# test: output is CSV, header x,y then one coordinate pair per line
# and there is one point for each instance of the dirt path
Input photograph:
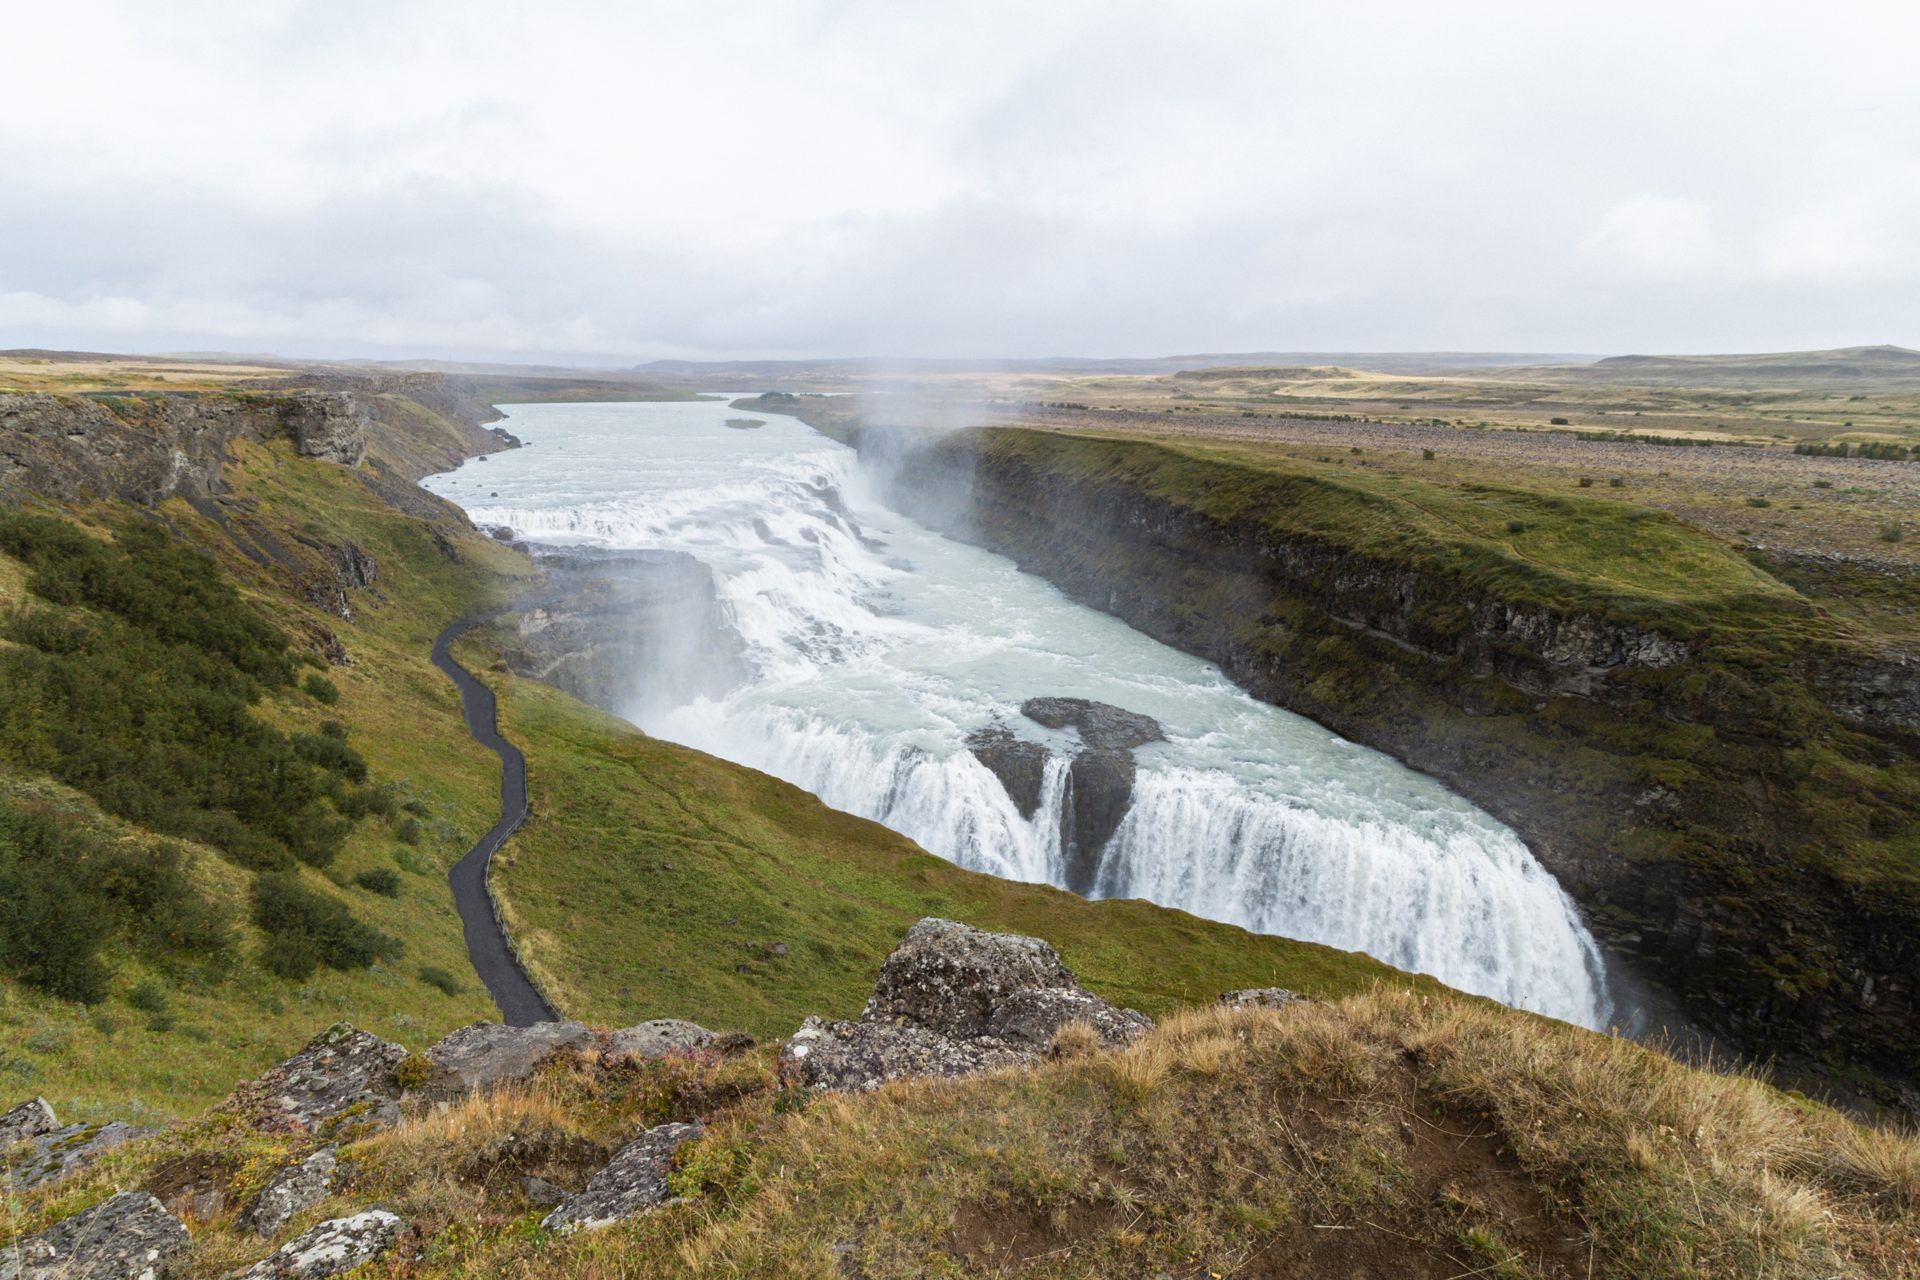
x,y
521,1004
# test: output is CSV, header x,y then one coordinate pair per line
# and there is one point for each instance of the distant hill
x,y
865,367
1842,364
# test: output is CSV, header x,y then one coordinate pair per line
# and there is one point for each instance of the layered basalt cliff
x,y
145,448
1729,805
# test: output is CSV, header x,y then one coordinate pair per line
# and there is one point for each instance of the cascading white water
x,y
876,647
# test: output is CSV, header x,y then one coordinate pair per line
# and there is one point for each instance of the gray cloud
x,y
626,181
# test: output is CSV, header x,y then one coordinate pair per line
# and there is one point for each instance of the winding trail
x,y
520,1002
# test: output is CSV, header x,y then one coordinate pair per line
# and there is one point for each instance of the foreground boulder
x,y
54,1154
657,1038
634,1181
953,1000
129,1237
28,1120
338,1245
343,1078
487,1055
296,1188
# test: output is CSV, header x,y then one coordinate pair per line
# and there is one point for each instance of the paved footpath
x,y
521,1004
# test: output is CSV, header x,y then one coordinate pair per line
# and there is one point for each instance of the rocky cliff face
x,y
148,449
627,631
1654,774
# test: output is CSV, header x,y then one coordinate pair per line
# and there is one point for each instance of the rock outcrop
x,y
950,1001
148,449
657,1038
627,631
487,1055
58,1152
292,1190
28,1120
342,1080
1260,998
634,1181
1020,765
337,1245
128,1237
1099,779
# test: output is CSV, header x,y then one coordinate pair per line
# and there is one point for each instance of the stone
x,y
1100,724
53,1155
292,1190
1020,765
634,1181
1261,998
541,1192
337,1245
657,1038
344,1077
28,1120
951,1001
128,1237
487,1055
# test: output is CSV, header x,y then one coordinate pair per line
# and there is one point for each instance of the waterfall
x,y
877,647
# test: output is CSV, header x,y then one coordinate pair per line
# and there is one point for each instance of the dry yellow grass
x,y
1384,1134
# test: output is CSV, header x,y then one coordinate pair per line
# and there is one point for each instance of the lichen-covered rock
x,y
337,1245
658,1037
28,1120
54,1155
953,1000
342,1079
128,1237
1261,998
297,1187
487,1055
634,1181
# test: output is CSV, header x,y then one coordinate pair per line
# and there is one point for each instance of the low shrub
x,y
306,929
384,881
441,979
321,689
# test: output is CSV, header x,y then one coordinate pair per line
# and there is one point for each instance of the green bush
x,y
305,929
148,997
134,683
64,892
1426,455
1617,482
1586,482
321,689
1516,526
1892,533
407,830
446,982
1759,502
384,881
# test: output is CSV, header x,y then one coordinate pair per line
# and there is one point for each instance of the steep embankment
x,y
1718,772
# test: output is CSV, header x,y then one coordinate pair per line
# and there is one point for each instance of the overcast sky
x,y
624,181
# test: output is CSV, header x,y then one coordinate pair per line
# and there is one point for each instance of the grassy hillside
x,y
171,1034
